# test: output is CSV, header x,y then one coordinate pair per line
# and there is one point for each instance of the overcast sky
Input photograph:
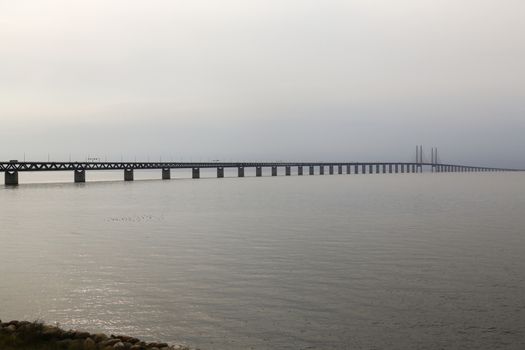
x,y
263,80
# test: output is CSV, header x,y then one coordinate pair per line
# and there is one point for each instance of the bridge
x,y
11,169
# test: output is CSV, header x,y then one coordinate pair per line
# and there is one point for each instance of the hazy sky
x,y
268,79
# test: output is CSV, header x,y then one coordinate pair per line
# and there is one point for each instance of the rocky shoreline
x,y
15,335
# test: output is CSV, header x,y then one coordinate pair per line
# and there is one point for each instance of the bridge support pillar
x,y
363,169
11,178
299,170
240,171
166,174
321,170
356,169
331,170
340,169
402,168
128,174
80,176
288,170
348,168
220,172
377,169
258,171
311,170
384,168
370,169
274,171
397,168
195,173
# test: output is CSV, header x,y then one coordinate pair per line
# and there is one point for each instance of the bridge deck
x,y
71,166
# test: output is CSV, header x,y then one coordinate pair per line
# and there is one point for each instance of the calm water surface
x,y
414,261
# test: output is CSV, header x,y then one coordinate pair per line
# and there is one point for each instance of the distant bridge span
x,y
12,168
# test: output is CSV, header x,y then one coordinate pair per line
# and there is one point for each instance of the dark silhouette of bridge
x,y
12,168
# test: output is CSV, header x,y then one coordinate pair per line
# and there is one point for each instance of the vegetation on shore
x,y
24,335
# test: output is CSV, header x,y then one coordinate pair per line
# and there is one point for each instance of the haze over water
x,y
431,261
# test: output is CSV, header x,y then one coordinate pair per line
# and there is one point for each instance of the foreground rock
x,y
36,335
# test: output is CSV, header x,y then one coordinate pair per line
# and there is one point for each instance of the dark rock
x,y
100,337
64,343
89,344
81,335
25,325
49,332
119,346
59,339
110,342
127,339
67,334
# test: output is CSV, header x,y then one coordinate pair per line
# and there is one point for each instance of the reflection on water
x,y
334,262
